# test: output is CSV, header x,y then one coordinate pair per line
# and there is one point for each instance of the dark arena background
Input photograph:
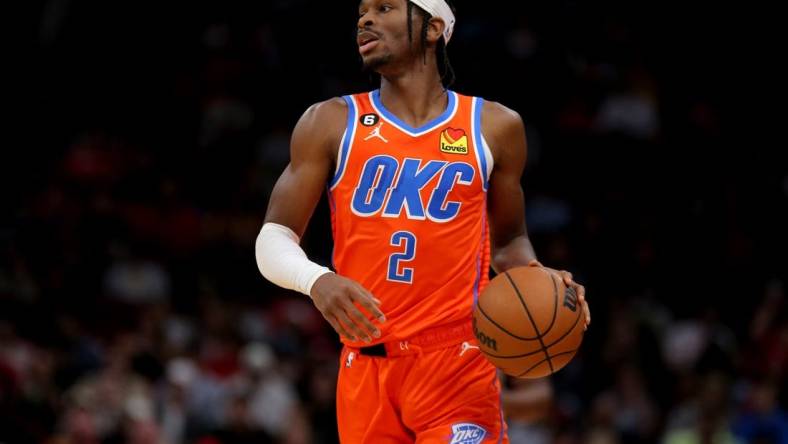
x,y
131,307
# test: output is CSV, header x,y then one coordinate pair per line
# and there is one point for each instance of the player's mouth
x,y
367,41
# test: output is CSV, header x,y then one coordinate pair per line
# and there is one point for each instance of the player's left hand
x,y
567,278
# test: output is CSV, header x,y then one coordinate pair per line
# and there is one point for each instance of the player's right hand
x,y
336,298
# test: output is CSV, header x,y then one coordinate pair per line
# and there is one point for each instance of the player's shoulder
x,y
501,116
504,131
320,128
495,115
330,114
326,118
326,111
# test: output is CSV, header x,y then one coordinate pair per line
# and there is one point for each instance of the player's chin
x,y
373,62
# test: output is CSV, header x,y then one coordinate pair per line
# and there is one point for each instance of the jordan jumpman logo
x,y
376,133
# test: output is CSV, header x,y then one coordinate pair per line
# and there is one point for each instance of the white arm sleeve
x,y
282,261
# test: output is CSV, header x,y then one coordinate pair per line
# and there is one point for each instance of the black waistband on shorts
x,y
374,350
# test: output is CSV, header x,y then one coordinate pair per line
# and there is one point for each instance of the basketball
x,y
528,323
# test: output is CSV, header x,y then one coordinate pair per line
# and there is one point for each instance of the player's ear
x,y
435,29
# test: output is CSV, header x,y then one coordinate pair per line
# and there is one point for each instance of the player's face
x,y
383,32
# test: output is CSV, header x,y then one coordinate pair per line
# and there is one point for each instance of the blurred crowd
x,y
131,309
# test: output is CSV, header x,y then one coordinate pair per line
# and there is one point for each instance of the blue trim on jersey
x,y
476,282
333,209
428,126
479,143
500,410
347,138
479,260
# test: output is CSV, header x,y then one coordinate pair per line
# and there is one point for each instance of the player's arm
x,y
505,133
313,150
298,189
510,246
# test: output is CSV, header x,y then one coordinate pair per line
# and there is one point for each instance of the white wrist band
x,y
282,261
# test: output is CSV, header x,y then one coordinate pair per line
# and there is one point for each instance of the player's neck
x,y
416,96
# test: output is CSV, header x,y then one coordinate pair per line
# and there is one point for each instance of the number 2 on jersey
x,y
406,241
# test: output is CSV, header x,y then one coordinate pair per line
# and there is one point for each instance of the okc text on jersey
x,y
377,189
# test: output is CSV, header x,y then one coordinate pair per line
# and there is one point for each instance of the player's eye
x,y
385,8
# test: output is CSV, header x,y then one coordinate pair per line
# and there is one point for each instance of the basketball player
x,y
424,190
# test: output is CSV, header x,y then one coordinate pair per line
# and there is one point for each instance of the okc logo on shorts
x,y
467,433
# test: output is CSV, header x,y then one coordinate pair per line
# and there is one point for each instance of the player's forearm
x,y
516,253
282,261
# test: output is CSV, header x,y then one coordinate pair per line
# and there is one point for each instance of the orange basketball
x,y
528,323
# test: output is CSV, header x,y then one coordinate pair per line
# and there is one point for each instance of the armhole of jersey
x,y
481,150
488,156
347,142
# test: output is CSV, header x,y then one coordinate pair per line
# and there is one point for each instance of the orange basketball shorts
x,y
434,388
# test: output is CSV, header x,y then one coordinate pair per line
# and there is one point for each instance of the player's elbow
x,y
264,263
273,246
282,261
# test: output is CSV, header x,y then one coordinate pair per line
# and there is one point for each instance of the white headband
x,y
439,8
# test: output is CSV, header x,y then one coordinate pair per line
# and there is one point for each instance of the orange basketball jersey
x,y
408,212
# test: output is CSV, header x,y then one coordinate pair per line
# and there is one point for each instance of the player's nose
x,y
365,21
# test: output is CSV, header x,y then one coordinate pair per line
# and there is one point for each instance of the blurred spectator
x,y
767,354
762,420
269,397
631,111
137,281
114,401
527,405
322,387
704,418
700,341
627,408
173,400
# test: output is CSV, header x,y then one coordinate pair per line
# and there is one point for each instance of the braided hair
x,y
442,57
